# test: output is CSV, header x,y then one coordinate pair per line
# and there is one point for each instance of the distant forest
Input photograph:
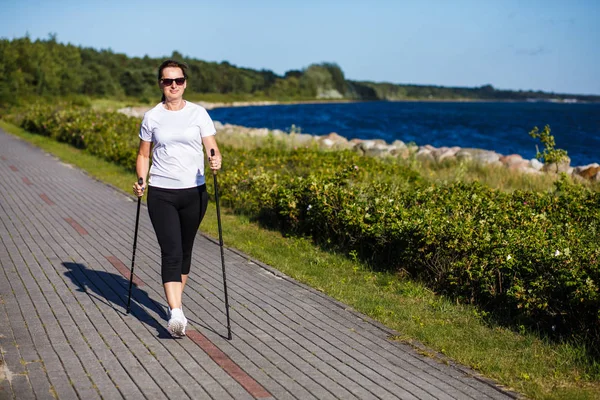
x,y
47,68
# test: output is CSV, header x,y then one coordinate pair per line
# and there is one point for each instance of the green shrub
x,y
550,154
109,135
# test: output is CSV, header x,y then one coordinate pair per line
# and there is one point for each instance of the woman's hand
x,y
214,160
138,188
213,153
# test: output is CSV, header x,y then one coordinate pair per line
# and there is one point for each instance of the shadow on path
x,y
112,290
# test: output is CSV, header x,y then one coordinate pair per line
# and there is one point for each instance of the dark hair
x,y
173,64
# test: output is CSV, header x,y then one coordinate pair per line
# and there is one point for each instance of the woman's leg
x,y
191,216
183,282
162,207
173,292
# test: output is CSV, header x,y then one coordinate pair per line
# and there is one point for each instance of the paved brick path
x,y
65,251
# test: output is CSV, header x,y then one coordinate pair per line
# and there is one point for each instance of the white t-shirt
x,y
177,156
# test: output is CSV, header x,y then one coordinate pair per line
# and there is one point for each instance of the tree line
x,y
48,68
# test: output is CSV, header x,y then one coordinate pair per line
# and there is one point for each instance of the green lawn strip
x,y
522,362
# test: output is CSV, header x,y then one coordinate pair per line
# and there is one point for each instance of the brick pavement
x,y
65,250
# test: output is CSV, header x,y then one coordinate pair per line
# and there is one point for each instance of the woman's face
x,y
171,89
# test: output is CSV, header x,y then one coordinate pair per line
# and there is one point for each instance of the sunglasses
x,y
169,81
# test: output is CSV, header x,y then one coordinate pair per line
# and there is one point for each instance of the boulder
x,y
587,171
536,164
399,152
333,140
399,145
519,166
487,157
425,154
363,146
444,153
301,139
512,159
378,150
464,155
412,148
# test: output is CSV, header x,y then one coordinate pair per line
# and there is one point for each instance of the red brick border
x,y
80,229
254,388
47,199
124,270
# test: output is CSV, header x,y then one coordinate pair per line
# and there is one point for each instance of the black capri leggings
x,y
176,215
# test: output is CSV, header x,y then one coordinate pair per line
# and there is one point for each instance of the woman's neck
x,y
174,105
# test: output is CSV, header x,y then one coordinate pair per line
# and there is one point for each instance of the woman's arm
x,y
142,165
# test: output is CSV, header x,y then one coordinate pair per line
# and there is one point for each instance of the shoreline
x,y
398,148
212,105
423,153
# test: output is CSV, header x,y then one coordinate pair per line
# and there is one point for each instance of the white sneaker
x,y
177,323
184,324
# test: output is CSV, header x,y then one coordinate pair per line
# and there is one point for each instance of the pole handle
x,y
212,154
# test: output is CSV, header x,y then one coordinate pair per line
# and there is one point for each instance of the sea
x,y
499,126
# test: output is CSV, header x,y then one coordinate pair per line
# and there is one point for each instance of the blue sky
x,y
548,45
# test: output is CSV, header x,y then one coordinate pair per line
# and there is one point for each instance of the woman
x,y
177,131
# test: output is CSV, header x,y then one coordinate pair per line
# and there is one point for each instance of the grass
x,y
520,361
491,175
113,105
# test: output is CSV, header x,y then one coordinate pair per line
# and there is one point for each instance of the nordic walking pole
x,y
137,220
212,154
